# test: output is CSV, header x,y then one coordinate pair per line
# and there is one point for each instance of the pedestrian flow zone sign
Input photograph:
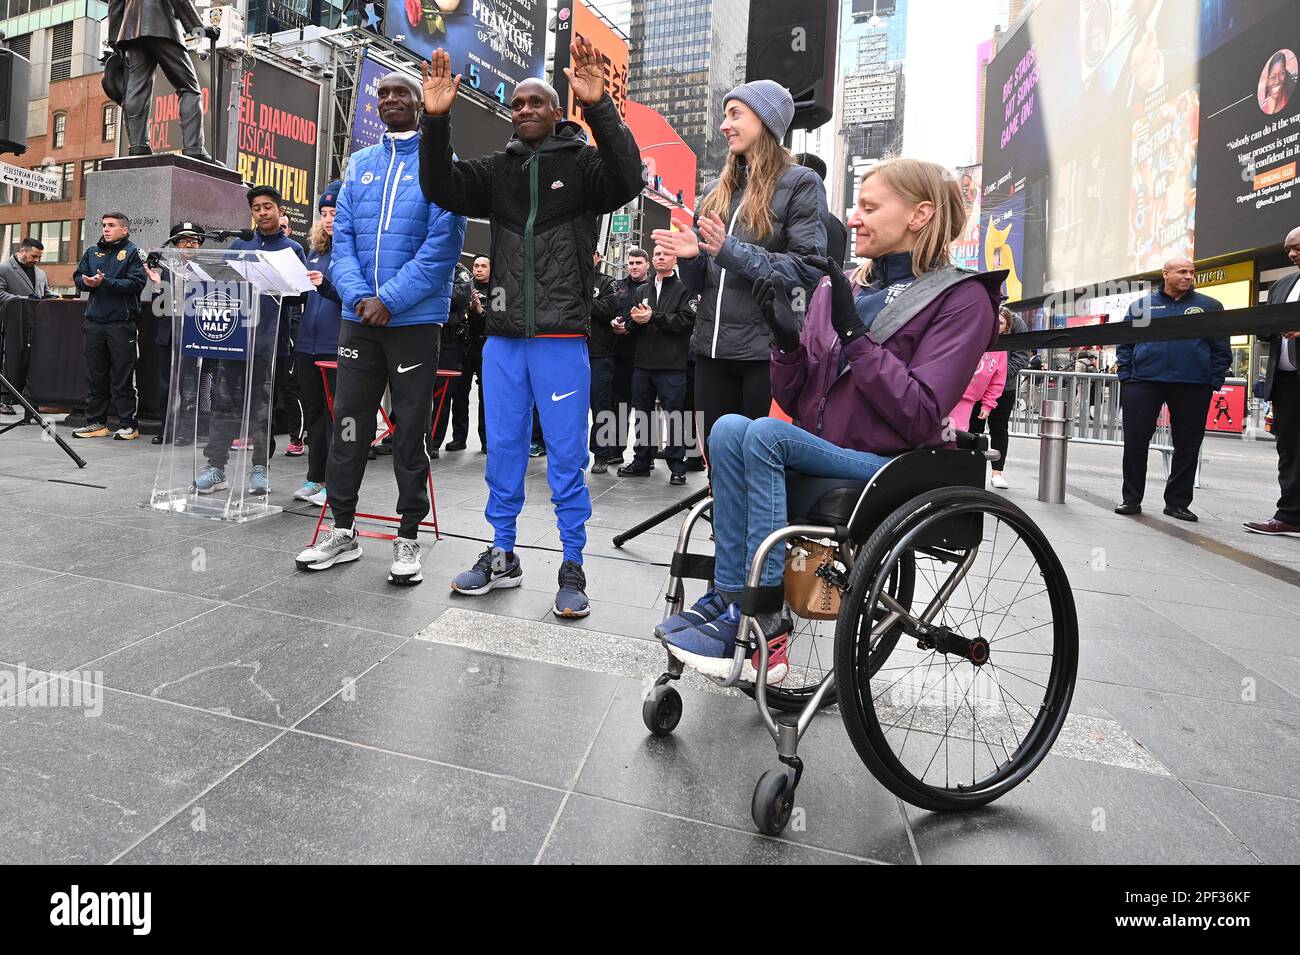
x,y
33,180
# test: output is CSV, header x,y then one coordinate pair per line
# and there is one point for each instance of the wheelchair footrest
x,y
692,566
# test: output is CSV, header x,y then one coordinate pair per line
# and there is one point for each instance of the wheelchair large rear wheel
x,y
812,647
973,696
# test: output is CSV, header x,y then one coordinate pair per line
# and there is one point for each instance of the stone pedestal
x,y
157,191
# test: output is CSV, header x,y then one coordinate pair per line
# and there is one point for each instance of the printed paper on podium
x,y
276,273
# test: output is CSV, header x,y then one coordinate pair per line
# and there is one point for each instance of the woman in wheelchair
x,y
884,355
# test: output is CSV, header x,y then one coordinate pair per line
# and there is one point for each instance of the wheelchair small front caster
x,y
773,802
661,710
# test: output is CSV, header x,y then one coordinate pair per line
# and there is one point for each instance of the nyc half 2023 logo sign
x,y
216,320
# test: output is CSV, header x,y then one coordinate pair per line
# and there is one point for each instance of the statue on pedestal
x,y
145,35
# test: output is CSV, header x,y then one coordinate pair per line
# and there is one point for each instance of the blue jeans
x,y
749,459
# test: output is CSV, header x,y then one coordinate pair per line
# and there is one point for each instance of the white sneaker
x,y
998,481
337,547
318,498
406,568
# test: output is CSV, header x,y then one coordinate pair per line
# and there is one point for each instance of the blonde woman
x,y
762,218
883,356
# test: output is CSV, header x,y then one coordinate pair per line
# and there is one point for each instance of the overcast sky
x,y
939,116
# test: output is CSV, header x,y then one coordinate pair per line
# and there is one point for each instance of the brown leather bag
x,y
809,595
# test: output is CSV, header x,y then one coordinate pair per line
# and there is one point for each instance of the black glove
x,y
774,305
844,313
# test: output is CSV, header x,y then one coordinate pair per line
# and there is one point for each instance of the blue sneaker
x,y
490,571
571,600
259,482
211,478
709,647
309,490
705,610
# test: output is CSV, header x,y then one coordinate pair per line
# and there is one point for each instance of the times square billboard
x,y
1120,133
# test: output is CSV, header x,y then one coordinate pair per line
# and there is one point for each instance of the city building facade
x,y
684,56
71,128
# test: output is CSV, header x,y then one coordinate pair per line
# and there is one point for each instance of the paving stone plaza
x,y
233,709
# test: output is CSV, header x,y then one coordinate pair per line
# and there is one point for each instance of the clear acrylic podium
x,y
223,307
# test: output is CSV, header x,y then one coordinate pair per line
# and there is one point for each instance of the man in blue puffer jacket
x,y
1180,374
393,262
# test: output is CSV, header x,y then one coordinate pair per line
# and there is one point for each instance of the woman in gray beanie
x,y
760,220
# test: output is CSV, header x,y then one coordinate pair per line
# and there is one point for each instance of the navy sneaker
x,y
490,571
705,610
571,600
709,649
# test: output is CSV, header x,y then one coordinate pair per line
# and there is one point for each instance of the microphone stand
x,y
32,413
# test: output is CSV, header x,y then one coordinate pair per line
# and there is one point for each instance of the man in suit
x,y
662,323
19,279
19,276
1282,387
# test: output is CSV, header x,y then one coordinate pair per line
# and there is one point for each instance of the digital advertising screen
x,y
1140,130
493,44
278,132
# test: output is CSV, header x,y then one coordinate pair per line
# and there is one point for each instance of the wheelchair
x,y
954,651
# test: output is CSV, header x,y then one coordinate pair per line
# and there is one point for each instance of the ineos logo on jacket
x,y
347,352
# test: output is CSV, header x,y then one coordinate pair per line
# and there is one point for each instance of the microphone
x,y
221,235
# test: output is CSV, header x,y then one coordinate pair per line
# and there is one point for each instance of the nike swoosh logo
x,y
555,397
402,371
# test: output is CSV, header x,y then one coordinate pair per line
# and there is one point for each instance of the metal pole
x,y
1054,438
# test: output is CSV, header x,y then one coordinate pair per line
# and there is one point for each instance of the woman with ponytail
x,y
761,219
882,358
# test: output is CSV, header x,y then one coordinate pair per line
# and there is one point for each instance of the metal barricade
x,y
1092,407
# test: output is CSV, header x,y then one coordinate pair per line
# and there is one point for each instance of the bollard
x,y
1054,440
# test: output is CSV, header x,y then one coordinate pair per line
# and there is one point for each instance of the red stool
x,y
446,377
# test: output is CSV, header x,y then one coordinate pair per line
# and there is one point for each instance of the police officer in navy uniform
x,y
188,236
1180,374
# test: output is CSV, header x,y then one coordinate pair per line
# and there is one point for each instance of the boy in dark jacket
x,y
662,322
266,206
545,193
1180,374
113,274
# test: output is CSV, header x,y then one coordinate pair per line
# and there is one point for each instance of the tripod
x,y
654,520
33,413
